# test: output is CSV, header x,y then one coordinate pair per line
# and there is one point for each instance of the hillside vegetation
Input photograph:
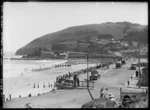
x,y
91,38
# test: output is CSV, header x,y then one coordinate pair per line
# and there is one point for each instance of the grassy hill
x,y
89,38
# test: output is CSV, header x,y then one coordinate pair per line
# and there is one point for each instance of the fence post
x,y
10,96
82,84
128,83
44,85
38,84
120,92
49,84
34,85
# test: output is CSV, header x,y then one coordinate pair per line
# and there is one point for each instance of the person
x,y
106,93
136,73
75,80
102,92
78,81
126,101
111,101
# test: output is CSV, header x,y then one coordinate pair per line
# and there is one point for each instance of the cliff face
x,y
87,37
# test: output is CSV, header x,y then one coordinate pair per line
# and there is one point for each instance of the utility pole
x,y
88,78
139,65
87,72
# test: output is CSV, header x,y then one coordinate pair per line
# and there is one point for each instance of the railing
x,y
82,84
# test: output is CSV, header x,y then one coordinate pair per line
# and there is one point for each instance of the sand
x,y
112,78
23,85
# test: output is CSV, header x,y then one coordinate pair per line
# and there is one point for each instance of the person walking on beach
x,y
111,102
106,93
102,92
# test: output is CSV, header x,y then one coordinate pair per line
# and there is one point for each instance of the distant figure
x,y
75,79
102,92
29,95
69,74
111,101
106,95
78,81
136,73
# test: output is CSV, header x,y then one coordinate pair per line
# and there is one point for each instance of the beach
x,y
20,77
111,78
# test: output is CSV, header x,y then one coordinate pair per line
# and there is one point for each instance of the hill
x,y
91,38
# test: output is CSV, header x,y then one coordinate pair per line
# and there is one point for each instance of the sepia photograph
x,y
75,55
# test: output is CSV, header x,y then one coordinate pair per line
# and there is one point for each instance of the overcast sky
x,y
25,21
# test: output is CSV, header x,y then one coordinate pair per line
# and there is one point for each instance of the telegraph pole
x,y
88,78
139,66
87,72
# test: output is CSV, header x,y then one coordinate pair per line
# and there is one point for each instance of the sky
x,y
26,21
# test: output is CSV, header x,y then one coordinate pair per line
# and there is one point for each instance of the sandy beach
x,y
22,85
112,78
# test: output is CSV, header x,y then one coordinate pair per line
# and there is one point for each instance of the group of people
x,y
61,78
111,101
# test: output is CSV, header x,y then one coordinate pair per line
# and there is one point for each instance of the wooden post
x,y
120,92
10,96
87,73
49,84
44,85
38,84
34,85
139,66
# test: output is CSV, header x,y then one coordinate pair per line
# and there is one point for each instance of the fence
x,y
130,93
83,84
71,85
